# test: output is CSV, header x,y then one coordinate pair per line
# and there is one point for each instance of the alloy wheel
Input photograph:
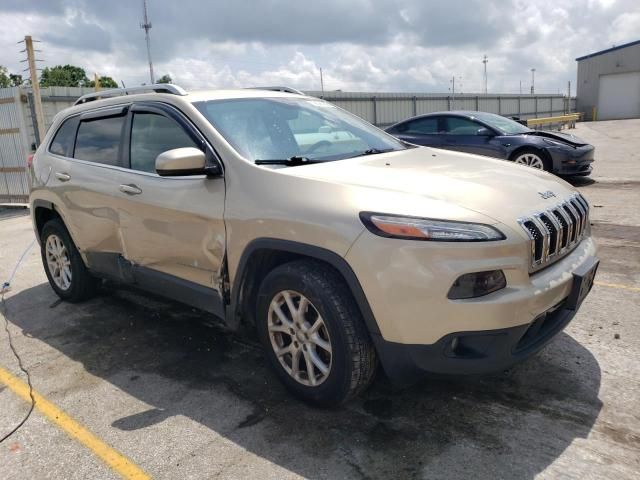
x,y
58,262
530,160
299,338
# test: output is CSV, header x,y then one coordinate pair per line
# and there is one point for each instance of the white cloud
x,y
401,45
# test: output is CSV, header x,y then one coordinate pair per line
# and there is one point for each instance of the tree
x,y
105,82
10,80
16,79
64,76
166,78
4,78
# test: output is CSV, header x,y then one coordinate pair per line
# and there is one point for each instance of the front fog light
x,y
472,285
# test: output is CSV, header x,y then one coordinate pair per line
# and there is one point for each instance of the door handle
x,y
63,177
130,189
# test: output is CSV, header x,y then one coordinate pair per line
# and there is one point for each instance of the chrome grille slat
x,y
556,231
572,223
582,212
555,243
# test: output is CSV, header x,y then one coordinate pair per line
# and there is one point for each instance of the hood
x,y
560,137
497,189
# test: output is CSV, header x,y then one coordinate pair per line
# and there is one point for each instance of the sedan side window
x,y
461,126
152,134
420,126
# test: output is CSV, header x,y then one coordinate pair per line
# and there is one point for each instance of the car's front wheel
x,y
531,158
313,333
63,264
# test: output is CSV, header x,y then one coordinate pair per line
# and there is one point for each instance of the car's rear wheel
x,y
313,333
531,158
63,264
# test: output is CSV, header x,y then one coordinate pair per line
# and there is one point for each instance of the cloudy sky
x,y
384,45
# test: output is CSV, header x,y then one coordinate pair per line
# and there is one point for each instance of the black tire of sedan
x,y
313,333
63,264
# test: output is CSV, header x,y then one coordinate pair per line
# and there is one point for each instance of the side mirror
x,y
181,161
484,132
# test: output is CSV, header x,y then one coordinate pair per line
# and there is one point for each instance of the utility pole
x,y
520,87
35,87
485,60
533,80
453,92
146,26
321,83
569,96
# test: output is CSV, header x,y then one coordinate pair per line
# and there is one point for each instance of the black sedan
x,y
500,137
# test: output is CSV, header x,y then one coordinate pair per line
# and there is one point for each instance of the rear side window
x,y
99,140
152,134
420,126
62,143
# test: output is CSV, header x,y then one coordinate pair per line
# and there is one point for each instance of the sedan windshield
x,y
503,124
281,128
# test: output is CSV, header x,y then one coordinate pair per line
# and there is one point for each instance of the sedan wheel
x,y
299,338
530,159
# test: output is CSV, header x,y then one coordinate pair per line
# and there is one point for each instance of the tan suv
x,y
344,246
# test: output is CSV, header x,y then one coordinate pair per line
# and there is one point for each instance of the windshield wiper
x,y
372,151
294,161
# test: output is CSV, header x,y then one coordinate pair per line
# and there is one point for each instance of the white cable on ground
x,y
6,286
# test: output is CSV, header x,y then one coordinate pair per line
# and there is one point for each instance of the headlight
x,y
412,228
555,142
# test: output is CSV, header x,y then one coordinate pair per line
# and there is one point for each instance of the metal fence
x,y
18,135
384,109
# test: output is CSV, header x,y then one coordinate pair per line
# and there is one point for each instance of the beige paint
x,y
184,225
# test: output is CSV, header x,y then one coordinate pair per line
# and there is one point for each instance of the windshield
x,y
282,128
503,124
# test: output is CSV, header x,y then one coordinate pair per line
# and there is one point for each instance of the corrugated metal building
x,y
609,83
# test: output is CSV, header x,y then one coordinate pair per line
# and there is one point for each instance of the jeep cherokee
x,y
345,247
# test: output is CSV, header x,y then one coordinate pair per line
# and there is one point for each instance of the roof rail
x,y
115,92
280,89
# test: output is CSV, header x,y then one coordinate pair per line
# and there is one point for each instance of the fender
x,y
311,251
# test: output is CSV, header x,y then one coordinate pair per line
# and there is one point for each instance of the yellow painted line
x,y
617,285
118,462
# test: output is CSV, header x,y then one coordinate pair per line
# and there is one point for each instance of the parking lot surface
x,y
176,396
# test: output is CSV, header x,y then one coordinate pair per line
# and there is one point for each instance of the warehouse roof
x,y
608,50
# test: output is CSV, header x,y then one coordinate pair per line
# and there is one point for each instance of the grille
x,y
556,231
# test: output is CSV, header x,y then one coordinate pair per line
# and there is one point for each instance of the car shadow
x,y
578,181
172,357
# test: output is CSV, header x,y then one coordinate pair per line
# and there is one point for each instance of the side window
x,y
62,143
421,126
99,140
461,126
152,134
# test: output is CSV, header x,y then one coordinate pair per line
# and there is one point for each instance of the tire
x,y
532,158
350,362
76,284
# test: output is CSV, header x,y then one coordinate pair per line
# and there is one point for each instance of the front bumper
x,y
570,161
418,324
474,352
